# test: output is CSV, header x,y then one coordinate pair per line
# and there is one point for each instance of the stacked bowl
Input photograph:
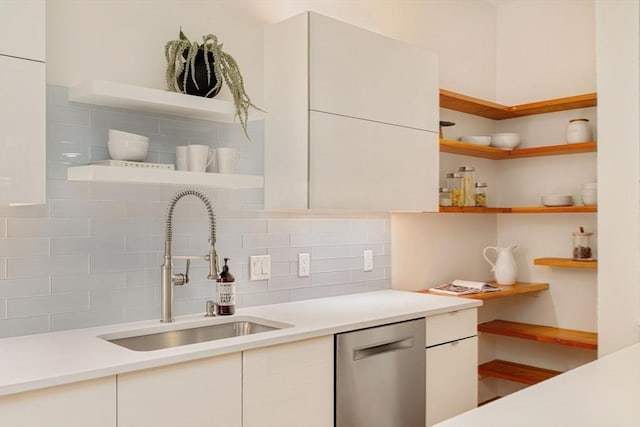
x,y
590,193
127,146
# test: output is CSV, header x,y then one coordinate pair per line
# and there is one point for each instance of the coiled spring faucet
x,y
168,278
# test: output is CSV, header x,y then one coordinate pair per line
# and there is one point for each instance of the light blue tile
x,y
124,120
16,288
58,95
69,133
63,189
310,293
143,278
44,266
288,282
289,225
242,225
378,285
358,250
87,319
73,114
359,275
124,262
97,281
348,289
107,191
39,305
133,314
107,298
3,309
263,240
202,130
24,326
45,227
24,246
273,297
57,171
336,264
101,227
145,244
143,297
145,209
99,246
32,211
330,278
87,208
98,153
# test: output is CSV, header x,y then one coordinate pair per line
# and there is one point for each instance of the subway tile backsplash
x,y
92,255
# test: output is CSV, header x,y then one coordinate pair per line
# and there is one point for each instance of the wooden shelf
x,y
506,291
465,149
548,334
119,95
520,209
97,173
491,110
517,372
566,262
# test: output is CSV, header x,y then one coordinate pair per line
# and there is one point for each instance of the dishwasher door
x,y
380,376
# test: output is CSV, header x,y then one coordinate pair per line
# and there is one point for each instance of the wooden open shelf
x,y
506,291
548,334
566,262
462,148
491,110
520,209
517,372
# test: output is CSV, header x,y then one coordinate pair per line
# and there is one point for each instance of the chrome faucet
x,y
168,278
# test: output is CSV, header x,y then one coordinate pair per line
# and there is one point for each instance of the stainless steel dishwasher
x,y
380,376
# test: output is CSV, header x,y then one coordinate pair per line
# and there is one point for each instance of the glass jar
x,y
454,184
481,194
579,130
468,180
445,197
582,246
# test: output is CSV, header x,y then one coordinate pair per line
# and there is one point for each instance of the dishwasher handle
x,y
374,350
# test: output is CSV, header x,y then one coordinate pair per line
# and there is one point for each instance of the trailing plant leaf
x,y
181,56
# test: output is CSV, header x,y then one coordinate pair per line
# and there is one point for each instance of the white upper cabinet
x,y
352,119
22,29
22,102
358,73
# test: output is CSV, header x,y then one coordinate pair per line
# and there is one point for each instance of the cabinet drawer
x,y
451,326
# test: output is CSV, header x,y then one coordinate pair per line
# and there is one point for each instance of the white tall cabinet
x,y
352,119
22,102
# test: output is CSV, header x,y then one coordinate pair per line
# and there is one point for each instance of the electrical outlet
x,y
260,267
368,260
304,265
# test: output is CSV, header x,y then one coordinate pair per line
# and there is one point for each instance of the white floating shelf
x,y
96,173
120,95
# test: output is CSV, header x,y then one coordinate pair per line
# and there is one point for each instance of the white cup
x,y
212,161
227,159
182,163
198,156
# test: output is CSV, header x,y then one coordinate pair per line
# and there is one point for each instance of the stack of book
x,y
464,287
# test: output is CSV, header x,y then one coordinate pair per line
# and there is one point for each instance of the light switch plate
x,y
304,265
368,260
260,267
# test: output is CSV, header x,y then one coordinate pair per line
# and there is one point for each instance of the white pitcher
x,y
505,268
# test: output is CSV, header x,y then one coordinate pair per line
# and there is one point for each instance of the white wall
x,y
618,54
124,40
545,50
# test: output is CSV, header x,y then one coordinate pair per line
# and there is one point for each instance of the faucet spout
x,y
168,277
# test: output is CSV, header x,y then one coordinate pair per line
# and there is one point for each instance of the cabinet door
x,y
22,131
289,385
196,394
359,164
87,403
358,73
22,29
452,379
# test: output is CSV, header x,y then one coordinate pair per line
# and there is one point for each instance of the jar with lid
x,y
481,194
579,130
468,181
454,184
445,197
582,246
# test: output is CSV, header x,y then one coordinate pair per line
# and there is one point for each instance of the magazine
x,y
465,287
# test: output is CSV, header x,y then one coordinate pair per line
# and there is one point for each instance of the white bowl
x,y
476,139
557,200
118,135
131,150
506,141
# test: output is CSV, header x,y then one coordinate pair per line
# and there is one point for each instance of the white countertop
x,y
36,361
605,392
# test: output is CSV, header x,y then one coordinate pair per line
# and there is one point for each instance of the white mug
x,y
227,159
182,163
212,161
198,157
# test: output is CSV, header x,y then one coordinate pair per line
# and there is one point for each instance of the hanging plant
x,y
200,69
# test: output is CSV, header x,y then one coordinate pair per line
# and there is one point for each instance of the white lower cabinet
x,y
452,364
206,392
87,403
289,385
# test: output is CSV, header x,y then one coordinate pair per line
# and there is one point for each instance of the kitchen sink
x,y
154,339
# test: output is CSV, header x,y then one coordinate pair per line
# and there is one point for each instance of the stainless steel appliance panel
x,y
380,376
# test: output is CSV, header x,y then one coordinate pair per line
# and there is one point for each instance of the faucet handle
x,y
182,279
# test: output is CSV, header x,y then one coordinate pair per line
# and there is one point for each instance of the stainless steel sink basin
x,y
153,340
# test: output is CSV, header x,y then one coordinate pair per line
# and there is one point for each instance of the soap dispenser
x,y
226,285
